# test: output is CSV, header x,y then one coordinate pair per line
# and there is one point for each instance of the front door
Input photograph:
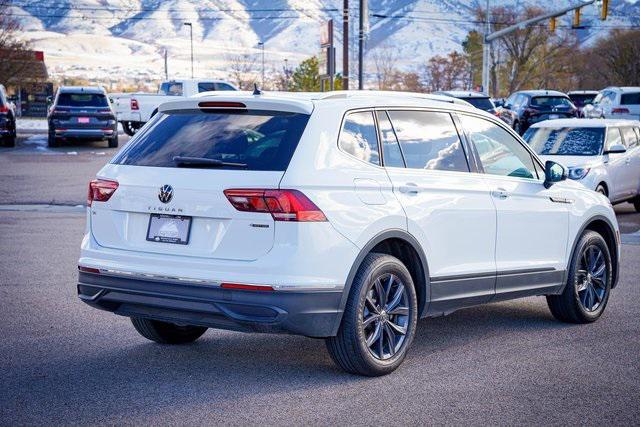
x,y
532,221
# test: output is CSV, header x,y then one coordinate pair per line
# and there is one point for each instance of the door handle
x,y
409,188
500,193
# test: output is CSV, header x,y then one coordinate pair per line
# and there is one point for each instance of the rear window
x,y
256,139
171,89
630,98
481,103
580,141
82,100
550,101
582,99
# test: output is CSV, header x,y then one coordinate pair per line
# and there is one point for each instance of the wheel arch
x,y
406,248
603,226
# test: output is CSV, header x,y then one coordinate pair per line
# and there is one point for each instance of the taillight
x,y
620,111
4,109
245,287
134,104
101,190
283,205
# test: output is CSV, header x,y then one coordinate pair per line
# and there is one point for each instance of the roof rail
x,y
387,93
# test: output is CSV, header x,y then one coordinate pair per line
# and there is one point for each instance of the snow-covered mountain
x,y
110,38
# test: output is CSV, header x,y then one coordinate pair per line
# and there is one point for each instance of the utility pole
x,y
345,45
188,24
364,9
261,44
486,54
166,67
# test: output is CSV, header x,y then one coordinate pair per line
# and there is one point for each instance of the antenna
x,y
256,91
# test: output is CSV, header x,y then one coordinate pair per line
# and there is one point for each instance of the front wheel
x,y
113,141
636,203
167,333
379,321
586,292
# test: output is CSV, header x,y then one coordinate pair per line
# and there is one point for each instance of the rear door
x,y
532,221
632,160
168,203
448,208
617,166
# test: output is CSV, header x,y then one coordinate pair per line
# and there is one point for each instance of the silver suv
x,y
615,103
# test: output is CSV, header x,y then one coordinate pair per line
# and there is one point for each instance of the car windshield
x,y
580,100
82,100
567,141
550,101
481,103
251,140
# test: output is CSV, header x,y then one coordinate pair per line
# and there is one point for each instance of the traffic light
x,y
605,10
552,24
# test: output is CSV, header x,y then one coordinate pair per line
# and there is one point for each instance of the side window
x,y
500,153
205,87
630,138
390,147
520,100
429,140
358,137
511,100
224,86
613,137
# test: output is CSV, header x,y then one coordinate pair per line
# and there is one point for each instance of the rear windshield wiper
x,y
182,161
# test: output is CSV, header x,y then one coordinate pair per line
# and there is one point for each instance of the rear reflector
x,y
221,104
88,270
620,111
283,205
101,190
134,104
246,287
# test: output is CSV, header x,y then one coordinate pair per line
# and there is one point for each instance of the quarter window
x,y
358,137
429,140
500,153
390,148
206,87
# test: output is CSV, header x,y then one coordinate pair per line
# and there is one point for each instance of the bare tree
x,y
15,58
243,70
446,73
385,59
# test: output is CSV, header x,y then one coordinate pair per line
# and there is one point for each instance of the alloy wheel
x,y
591,278
385,317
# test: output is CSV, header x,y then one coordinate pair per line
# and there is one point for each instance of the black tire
x,y
602,190
349,349
113,141
517,126
167,333
570,306
636,203
127,128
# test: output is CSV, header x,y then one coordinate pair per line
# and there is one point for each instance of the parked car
x,y
81,113
7,120
344,216
582,98
615,103
524,108
477,99
135,109
603,155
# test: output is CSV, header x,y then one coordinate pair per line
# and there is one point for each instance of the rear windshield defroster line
x,y
260,139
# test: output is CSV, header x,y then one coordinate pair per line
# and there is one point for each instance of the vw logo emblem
x,y
165,194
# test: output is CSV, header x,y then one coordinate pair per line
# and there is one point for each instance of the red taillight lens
x,y
221,104
134,104
620,111
4,109
88,270
246,287
283,205
101,190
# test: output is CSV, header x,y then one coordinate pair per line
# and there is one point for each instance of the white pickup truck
x,y
133,110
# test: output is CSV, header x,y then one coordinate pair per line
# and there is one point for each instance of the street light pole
x,y
188,24
261,44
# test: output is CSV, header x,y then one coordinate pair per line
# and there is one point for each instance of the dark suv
x,y
7,120
524,108
82,113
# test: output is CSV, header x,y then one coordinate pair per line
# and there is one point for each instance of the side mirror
x,y
616,149
554,172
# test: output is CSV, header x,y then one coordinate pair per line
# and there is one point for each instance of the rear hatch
x,y
172,176
629,106
549,108
82,111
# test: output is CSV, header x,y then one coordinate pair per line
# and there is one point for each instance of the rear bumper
x,y
84,133
313,313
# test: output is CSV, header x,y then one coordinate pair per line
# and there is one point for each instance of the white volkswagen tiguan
x,y
346,216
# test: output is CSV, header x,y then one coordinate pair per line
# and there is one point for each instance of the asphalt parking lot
x,y
65,363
